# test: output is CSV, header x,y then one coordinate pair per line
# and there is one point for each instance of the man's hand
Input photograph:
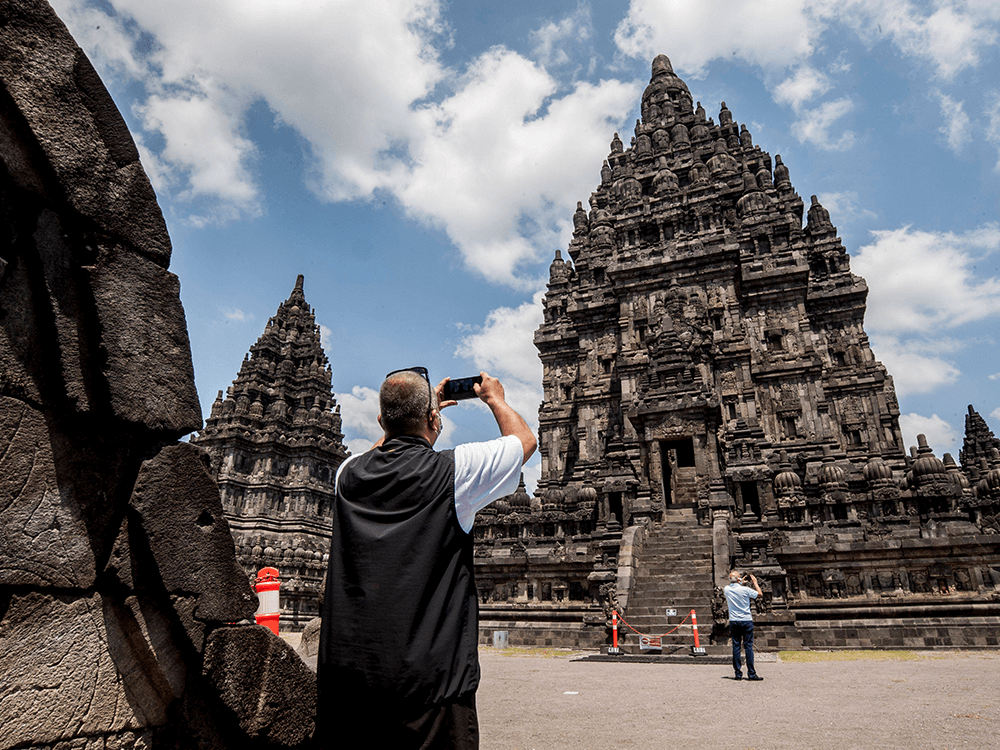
x,y
491,393
490,390
439,392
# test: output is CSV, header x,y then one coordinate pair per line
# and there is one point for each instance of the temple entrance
x,y
678,471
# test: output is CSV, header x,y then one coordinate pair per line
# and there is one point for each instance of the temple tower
x,y
711,400
275,441
701,331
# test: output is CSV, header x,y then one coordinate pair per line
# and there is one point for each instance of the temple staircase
x,y
675,572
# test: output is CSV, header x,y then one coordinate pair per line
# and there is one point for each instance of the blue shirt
x,y
738,596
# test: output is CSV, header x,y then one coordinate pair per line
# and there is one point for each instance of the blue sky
x,y
419,162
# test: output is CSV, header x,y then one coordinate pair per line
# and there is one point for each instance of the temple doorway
x,y
678,470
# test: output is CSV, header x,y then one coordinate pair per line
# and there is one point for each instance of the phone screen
x,y
457,389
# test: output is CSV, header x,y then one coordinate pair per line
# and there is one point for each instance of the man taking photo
x,y
398,662
738,597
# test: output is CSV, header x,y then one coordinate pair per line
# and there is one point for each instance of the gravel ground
x,y
548,701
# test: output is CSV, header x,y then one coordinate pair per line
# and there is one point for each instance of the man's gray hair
x,y
403,403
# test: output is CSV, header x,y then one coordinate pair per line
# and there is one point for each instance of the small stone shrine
x,y
711,400
276,442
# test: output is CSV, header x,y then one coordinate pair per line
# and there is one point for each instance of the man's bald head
x,y
405,401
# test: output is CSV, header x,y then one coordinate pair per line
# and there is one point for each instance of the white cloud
x,y
769,33
202,139
109,43
345,75
806,84
503,347
951,38
359,414
995,414
993,125
957,126
844,205
364,87
995,376
916,364
503,114
551,38
235,314
326,339
813,125
941,436
926,280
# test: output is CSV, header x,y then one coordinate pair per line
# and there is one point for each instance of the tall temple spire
x,y
711,401
699,299
275,442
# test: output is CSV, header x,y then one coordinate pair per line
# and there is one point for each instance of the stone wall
x,y
125,621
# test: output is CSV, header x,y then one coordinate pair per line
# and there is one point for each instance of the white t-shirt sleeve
x,y
485,472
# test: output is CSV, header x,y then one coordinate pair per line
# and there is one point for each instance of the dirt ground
x,y
548,701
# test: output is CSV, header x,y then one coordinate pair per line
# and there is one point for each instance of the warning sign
x,y
649,643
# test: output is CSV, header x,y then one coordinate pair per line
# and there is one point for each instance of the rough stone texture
x,y
705,366
45,537
274,697
85,143
177,506
116,561
80,666
309,642
276,442
149,373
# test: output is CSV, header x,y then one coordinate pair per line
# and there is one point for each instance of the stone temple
x,y
711,400
275,441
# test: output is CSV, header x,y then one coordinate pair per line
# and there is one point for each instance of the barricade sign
x,y
650,643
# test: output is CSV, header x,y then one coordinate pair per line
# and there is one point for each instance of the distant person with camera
x,y
738,597
398,661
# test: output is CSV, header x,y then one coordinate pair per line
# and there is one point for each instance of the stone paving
x,y
540,701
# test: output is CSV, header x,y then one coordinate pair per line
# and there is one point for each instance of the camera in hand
x,y
457,389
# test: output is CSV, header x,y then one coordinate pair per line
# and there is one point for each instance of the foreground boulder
x,y
125,621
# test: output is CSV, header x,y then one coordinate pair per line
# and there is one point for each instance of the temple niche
x,y
275,442
710,400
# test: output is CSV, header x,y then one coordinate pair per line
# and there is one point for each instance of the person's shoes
x,y
738,677
755,678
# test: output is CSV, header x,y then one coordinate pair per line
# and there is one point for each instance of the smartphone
x,y
457,389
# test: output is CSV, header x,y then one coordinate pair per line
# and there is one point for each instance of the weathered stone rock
x,y
309,642
45,536
79,667
178,508
95,375
262,679
149,373
76,124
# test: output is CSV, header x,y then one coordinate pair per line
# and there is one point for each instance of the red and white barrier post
x,y
696,650
268,609
614,633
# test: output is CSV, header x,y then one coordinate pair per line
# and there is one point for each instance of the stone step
x,y
674,571
676,552
660,582
659,586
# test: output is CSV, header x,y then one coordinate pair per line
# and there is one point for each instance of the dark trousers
x,y
354,723
742,633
